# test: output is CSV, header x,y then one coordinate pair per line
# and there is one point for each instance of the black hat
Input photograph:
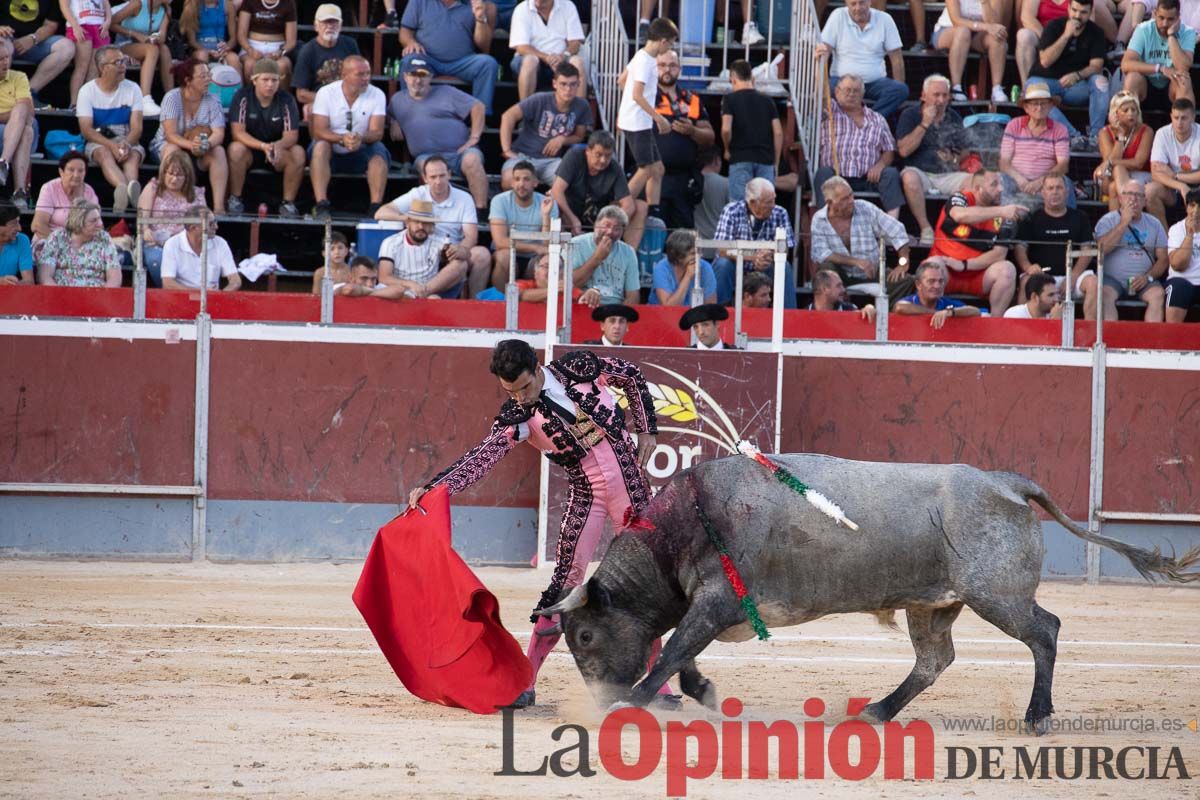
x,y
708,312
601,313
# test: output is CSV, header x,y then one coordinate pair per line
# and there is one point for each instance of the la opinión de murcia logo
x,y
633,744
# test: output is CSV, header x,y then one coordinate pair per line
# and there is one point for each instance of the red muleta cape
x,y
437,625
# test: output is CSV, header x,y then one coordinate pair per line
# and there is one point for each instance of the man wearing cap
x,y
454,35
544,34
347,126
320,60
266,130
416,263
614,322
702,320
1035,146
433,119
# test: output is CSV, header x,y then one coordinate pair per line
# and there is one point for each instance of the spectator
x,y
750,33
551,124
979,25
637,117
1070,61
755,218
1174,160
829,294
746,117
58,196
339,270
457,219
170,194
859,38
16,255
683,181
109,110
80,254
1160,55
587,180
1183,247
756,291
932,141
1041,247
362,279
192,121
601,261
34,27
716,194
210,28
536,289
1034,146
965,243
847,234
1036,15
930,299
347,126
519,209
266,130
319,62
1125,144
614,320
545,34
675,273
449,33
865,148
1044,301
703,322
267,30
88,22
391,19
1135,254
141,29
419,262
1133,13
181,264
18,127
433,119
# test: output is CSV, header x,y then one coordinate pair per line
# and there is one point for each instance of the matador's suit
x,y
590,442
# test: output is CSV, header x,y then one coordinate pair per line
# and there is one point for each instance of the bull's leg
x,y
929,630
697,687
1038,629
708,616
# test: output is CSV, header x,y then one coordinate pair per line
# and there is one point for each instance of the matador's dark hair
x,y
511,357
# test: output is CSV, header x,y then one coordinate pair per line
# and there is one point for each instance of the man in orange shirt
x,y
965,242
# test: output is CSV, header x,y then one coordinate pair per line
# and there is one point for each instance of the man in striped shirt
x,y
266,131
863,146
1035,147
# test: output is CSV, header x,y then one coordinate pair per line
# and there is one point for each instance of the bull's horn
x,y
553,630
576,599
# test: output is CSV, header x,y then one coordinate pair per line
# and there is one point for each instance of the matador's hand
x,y
414,497
646,443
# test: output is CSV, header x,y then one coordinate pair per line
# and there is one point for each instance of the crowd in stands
x,y
997,229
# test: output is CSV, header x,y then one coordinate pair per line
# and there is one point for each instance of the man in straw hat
x,y
414,263
1035,146
614,319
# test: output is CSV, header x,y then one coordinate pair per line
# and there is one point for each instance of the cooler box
x,y
370,236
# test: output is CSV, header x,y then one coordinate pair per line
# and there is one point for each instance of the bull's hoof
x,y
874,714
1038,727
708,698
620,704
525,699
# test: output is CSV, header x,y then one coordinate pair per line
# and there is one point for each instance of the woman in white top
x,y
980,25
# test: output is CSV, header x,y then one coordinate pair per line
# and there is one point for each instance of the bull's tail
x,y
1150,564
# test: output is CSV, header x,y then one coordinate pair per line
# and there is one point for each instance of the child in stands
x,y
88,22
636,116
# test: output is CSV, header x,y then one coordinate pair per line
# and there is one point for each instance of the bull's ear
x,y
598,594
577,598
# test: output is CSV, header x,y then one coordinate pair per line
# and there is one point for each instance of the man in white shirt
x,y
418,263
702,320
109,110
347,128
1044,300
456,219
1174,160
1183,255
859,37
544,33
181,268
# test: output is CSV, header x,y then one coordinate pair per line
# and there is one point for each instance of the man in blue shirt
x,y
454,36
16,256
1160,55
929,300
519,209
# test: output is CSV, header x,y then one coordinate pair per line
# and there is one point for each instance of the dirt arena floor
x,y
183,681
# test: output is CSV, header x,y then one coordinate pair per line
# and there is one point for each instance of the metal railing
x,y
609,55
807,82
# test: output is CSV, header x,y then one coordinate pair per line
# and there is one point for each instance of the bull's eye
x,y
585,637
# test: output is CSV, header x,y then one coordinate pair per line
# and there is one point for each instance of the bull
x,y
932,539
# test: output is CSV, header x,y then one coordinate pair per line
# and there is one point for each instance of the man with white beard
x,y
329,45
